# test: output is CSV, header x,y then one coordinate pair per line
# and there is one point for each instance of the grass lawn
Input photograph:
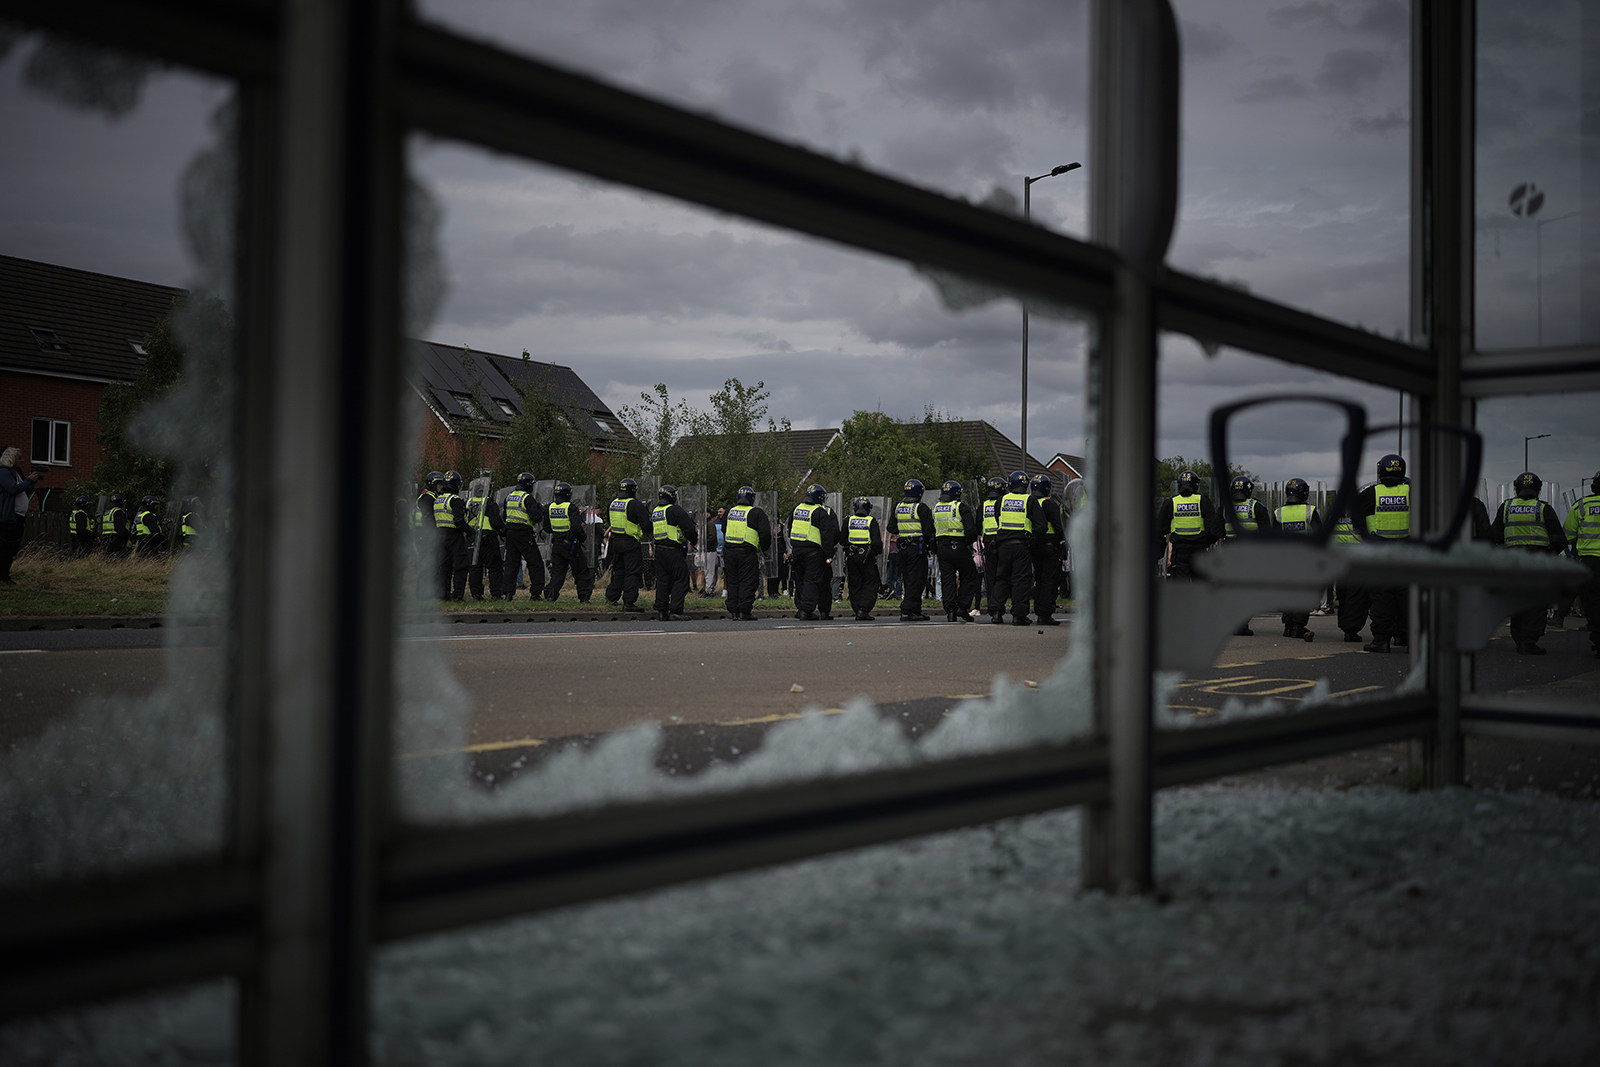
x,y
51,583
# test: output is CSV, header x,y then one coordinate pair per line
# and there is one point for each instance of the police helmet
x,y
452,481
914,488
1040,485
1017,482
117,500
562,491
745,495
1188,483
81,502
996,486
148,502
1295,491
525,482
1528,485
1241,487
950,490
861,506
815,494
630,488
434,480
1391,469
668,494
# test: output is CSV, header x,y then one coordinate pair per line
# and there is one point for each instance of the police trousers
x,y
520,545
1013,578
672,578
567,554
743,565
958,575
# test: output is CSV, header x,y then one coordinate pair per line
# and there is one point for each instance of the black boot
x,y
1378,644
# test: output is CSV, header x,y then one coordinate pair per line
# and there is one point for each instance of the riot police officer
x,y
1582,529
1525,522
955,527
114,527
80,525
147,528
674,532
863,546
483,546
813,539
426,538
450,520
627,518
1188,523
747,537
994,489
521,518
1297,516
1020,520
1049,549
189,521
567,537
913,523
1382,516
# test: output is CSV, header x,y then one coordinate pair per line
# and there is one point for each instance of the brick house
x,y
470,398
65,334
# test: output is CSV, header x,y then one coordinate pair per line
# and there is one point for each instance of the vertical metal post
x,y
1133,204
331,393
1443,43
1027,216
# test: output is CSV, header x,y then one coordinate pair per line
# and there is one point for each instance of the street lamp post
x,y
1525,441
1027,215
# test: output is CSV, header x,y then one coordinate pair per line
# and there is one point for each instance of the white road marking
x,y
18,651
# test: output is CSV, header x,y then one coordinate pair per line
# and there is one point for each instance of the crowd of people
x,y
1188,523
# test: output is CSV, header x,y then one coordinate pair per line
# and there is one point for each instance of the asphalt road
x,y
536,686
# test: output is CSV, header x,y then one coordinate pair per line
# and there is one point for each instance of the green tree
x,y
735,443
956,456
874,455
1167,471
123,466
544,440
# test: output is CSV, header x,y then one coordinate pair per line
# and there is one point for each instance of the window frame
x,y
61,426
319,872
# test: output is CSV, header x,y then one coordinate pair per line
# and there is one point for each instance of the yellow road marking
x,y
482,746
1213,681
780,717
1352,692
1230,688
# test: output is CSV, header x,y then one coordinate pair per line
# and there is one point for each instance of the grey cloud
x,y
758,95
1387,122
1205,41
1276,87
1384,18
1349,71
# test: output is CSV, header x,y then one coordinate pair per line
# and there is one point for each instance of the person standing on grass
x,y
15,488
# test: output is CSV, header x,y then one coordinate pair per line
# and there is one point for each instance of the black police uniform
x,y
114,531
455,554
1190,523
813,561
913,522
1391,605
80,524
426,542
958,574
1020,520
564,519
1523,524
1049,549
741,560
485,538
521,519
863,544
673,531
624,555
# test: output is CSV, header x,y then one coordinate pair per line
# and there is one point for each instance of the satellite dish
x,y
1526,200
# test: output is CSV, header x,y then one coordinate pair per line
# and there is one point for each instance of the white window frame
x,y
61,427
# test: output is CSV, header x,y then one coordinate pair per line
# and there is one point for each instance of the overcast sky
x,y
1294,185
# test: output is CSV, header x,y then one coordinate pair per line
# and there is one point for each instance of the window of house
x,y
506,408
468,405
52,441
47,339
138,348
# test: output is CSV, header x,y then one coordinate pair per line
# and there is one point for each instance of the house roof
x,y
483,391
797,445
72,323
1075,464
1001,452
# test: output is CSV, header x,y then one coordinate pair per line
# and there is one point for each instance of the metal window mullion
x,y
1443,74
468,91
233,40
1214,313
328,634
1133,204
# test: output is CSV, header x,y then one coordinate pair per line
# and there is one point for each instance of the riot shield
x,y
477,495
586,502
884,513
835,502
544,491
173,527
767,501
